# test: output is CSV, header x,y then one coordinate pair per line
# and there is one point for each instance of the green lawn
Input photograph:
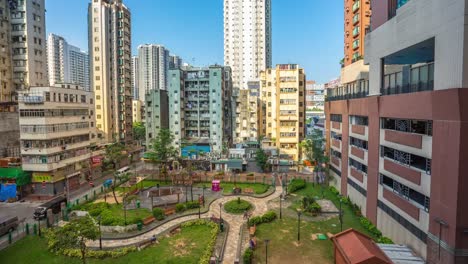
x,y
237,206
145,183
258,188
113,214
283,246
184,247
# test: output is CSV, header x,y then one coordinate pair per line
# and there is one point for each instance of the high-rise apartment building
x,y
156,114
56,131
110,54
135,76
315,99
357,20
247,49
282,115
66,63
175,62
153,68
29,44
199,108
396,139
7,88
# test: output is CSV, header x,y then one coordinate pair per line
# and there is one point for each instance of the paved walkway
x,y
235,222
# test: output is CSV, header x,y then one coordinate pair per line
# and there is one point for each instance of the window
x,y
423,127
335,118
410,160
406,192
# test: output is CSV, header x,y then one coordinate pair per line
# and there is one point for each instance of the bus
x,y
122,171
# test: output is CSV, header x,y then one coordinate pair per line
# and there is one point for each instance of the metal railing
x,y
408,88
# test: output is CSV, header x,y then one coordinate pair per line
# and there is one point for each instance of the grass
x,y
258,188
283,246
113,214
237,206
145,183
184,247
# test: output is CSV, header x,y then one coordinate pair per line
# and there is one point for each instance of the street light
x,y
125,210
281,213
220,205
186,193
39,225
266,250
100,235
199,206
299,212
341,216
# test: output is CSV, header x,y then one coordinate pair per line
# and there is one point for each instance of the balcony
x,y
402,171
402,138
356,19
335,161
336,143
356,6
358,129
358,152
336,125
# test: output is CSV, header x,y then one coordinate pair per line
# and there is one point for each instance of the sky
x,y
306,32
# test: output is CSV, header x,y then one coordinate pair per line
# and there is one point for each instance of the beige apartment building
x,y
110,56
23,61
136,110
57,131
282,111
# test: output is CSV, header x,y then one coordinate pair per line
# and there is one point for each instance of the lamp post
x,y
39,226
220,218
281,212
199,206
299,212
125,211
191,191
100,235
186,193
341,216
266,250
286,182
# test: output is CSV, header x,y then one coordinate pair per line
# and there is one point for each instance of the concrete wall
x,y
9,131
442,20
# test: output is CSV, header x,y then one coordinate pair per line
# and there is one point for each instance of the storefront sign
x,y
39,177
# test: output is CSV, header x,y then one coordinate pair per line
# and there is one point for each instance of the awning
x,y
21,177
234,164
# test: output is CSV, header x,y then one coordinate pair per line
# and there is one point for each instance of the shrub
x,y
247,257
265,218
158,213
268,216
314,208
334,190
296,185
237,206
192,205
179,208
99,254
370,227
205,258
384,240
250,174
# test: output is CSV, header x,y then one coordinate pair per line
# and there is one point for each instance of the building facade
x,y
7,89
357,19
110,53
247,49
136,111
396,139
315,99
153,68
157,113
22,38
199,108
56,132
135,76
66,63
282,113
175,62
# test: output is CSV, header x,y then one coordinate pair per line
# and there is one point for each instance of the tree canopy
x,y
314,147
261,159
73,236
139,131
162,148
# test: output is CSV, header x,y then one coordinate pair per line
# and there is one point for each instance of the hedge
x,y
296,184
210,246
99,254
265,218
247,257
158,213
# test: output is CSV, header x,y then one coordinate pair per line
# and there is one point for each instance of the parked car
x,y
54,204
7,224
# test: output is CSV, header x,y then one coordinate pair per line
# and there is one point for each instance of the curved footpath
x,y
235,222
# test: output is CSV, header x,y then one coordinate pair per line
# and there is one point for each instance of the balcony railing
x,y
356,6
408,88
348,96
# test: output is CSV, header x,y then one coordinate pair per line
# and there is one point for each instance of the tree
x,y
139,131
307,148
73,235
161,147
115,153
262,159
314,149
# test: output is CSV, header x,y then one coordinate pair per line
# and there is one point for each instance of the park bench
x,y
148,220
248,190
169,211
252,230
